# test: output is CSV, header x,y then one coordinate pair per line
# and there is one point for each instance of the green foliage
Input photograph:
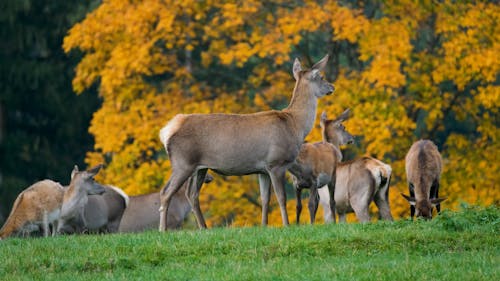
x,y
401,250
469,218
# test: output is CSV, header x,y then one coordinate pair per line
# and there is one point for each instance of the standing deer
x,y
359,182
316,164
36,207
423,172
142,211
263,143
90,206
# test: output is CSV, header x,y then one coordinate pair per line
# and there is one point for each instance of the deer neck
x,y
303,107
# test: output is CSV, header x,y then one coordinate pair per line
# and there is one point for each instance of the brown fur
x,y
40,199
359,182
263,143
423,172
142,213
89,206
316,164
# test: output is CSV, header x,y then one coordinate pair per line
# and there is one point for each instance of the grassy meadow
x,y
463,245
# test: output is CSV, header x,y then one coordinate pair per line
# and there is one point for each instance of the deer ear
x,y
94,170
435,201
323,118
320,65
297,68
75,170
410,200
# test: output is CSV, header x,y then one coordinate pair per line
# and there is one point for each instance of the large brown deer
x,y
142,211
423,172
90,206
316,164
263,143
358,183
36,208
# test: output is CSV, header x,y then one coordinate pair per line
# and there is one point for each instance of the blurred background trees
x,y
408,70
43,124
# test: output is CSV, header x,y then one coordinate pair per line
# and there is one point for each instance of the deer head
x,y
423,208
333,131
318,85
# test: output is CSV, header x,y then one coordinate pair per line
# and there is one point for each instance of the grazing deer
x,y
263,143
358,183
142,211
423,172
36,207
316,164
90,206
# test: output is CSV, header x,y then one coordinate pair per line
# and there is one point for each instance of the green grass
x,y
460,245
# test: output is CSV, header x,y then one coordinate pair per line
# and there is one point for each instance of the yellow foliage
x,y
405,72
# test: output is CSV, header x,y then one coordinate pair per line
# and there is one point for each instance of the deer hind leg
x,y
265,194
195,183
277,176
175,182
382,202
313,203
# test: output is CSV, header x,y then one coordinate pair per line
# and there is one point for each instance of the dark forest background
x,y
43,123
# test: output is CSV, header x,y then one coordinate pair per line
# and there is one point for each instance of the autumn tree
x,y
407,69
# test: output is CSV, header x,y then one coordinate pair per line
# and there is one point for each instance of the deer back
x,y
43,197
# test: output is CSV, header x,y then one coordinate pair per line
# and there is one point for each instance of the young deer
x,y
142,211
263,143
90,206
423,172
357,182
317,162
36,207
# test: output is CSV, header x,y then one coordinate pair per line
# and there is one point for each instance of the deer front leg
x,y
313,203
277,176
265,194
298,208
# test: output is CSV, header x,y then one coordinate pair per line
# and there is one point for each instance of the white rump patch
x,y
171,127
121,192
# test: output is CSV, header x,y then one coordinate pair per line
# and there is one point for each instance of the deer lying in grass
x,y
263,143
142,211
90,206
423,172
359,182
37,207
317,162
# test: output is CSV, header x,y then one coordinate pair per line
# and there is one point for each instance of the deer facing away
x,y
423,165
263,143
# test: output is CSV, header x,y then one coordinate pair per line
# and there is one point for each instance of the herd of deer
x,y
264,143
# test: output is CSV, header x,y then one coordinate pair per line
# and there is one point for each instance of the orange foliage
x,y
416,69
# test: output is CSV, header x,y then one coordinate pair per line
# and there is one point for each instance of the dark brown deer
x,y
90,206
263,143
423,172
36,208
142,213
317,162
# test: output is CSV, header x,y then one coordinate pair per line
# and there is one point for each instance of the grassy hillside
x,y
455,246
